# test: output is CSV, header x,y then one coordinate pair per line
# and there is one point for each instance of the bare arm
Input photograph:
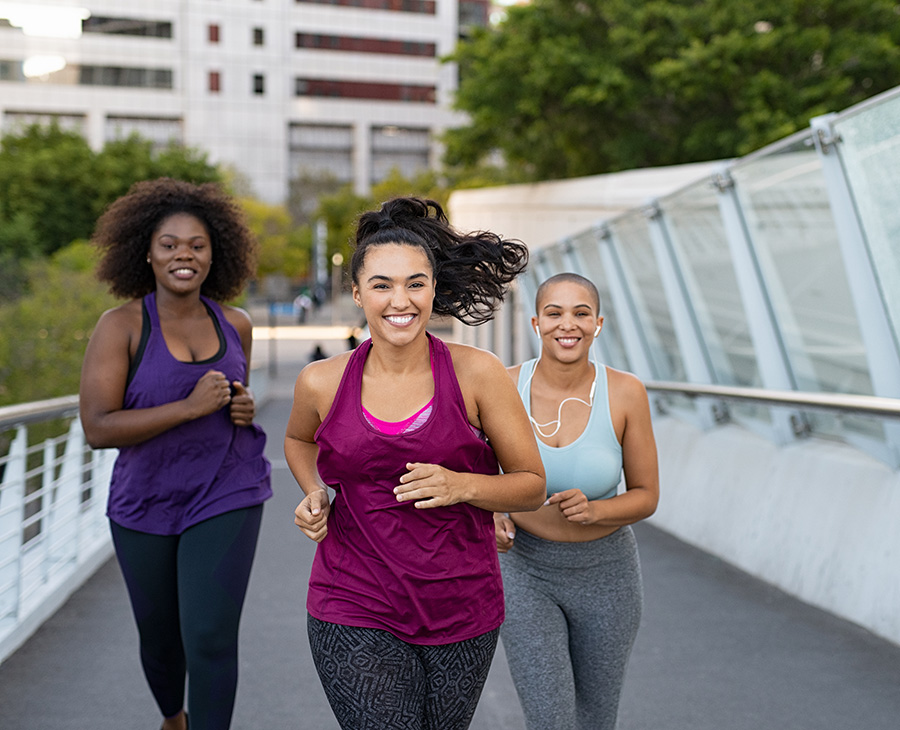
x,y
243,404
313,394
103,379
522,485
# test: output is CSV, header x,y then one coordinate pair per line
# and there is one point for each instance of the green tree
x,y
284,247
574,87
50,322
53,186
48,185
341,210
18,241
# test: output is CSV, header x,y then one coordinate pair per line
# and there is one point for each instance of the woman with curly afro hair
x,y
164,381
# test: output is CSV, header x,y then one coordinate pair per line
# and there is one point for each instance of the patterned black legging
x,y
375,681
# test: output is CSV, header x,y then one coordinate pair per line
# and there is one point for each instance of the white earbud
x,y
537,331
597,331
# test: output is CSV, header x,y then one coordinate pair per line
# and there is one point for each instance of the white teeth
x,y
183,271
400,319
567,340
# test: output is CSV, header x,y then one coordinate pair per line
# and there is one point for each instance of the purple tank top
x,y
199,469
428,576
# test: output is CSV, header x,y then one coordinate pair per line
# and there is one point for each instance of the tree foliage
x,y
53,186
341,210
283,247
51,322
574,87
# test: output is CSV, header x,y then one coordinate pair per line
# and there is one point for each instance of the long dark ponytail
x,y
472,271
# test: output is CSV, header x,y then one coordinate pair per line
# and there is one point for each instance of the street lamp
x,y
336,261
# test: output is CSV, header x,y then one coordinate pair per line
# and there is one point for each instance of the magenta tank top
x,y
198,469
428,576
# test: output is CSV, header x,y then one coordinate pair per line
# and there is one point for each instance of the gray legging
x,y
572,614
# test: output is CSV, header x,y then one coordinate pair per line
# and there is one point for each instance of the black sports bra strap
x,y
142,345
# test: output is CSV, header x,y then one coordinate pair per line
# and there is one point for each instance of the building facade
x,y
341,91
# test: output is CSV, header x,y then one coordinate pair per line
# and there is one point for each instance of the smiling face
x,y
566,321
180,253
395,289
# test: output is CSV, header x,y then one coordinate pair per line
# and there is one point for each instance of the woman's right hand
x,y
211,393
311,515
505,531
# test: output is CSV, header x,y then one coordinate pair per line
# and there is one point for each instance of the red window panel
x,y
365,90
401,6
213,33
365,45
215,82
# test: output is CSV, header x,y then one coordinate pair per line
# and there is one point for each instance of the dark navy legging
x,y
187,592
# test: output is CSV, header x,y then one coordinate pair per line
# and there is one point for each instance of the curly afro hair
x,y
124,231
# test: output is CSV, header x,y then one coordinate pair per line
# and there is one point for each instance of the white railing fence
x,y
53,529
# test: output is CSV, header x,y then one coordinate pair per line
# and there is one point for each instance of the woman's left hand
x,y
429,485
243,406
573,505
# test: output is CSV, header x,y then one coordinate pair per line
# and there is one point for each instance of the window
x,y
259,37
398,148
259,84
364,90
152,78
213,33
127,26
215,82
406,6
319,150
161,131
365,45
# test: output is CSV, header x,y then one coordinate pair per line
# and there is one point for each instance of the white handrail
x,y
53,530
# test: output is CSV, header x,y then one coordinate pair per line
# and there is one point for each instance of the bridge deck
x,y
717,649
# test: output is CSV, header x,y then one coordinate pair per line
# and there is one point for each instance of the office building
x,y
334,91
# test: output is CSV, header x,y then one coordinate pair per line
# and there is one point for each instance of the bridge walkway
x,y
717,649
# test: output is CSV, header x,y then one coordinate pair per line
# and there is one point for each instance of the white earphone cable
x,y
539,426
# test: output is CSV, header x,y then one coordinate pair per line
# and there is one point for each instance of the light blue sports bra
x,y
593,461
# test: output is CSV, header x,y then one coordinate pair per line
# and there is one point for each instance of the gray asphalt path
x,y
717,650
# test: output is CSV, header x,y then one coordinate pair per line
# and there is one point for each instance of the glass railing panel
x,y
790,223
587,247
695,229
555,260
870,150
631,236
789,220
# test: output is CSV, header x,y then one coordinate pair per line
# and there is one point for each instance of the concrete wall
x,y
816,518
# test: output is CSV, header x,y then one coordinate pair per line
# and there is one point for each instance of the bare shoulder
x,y
238,318
324,376
122,321
473,361
317,385
626,387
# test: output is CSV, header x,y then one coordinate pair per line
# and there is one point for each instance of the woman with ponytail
x,y
398,447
